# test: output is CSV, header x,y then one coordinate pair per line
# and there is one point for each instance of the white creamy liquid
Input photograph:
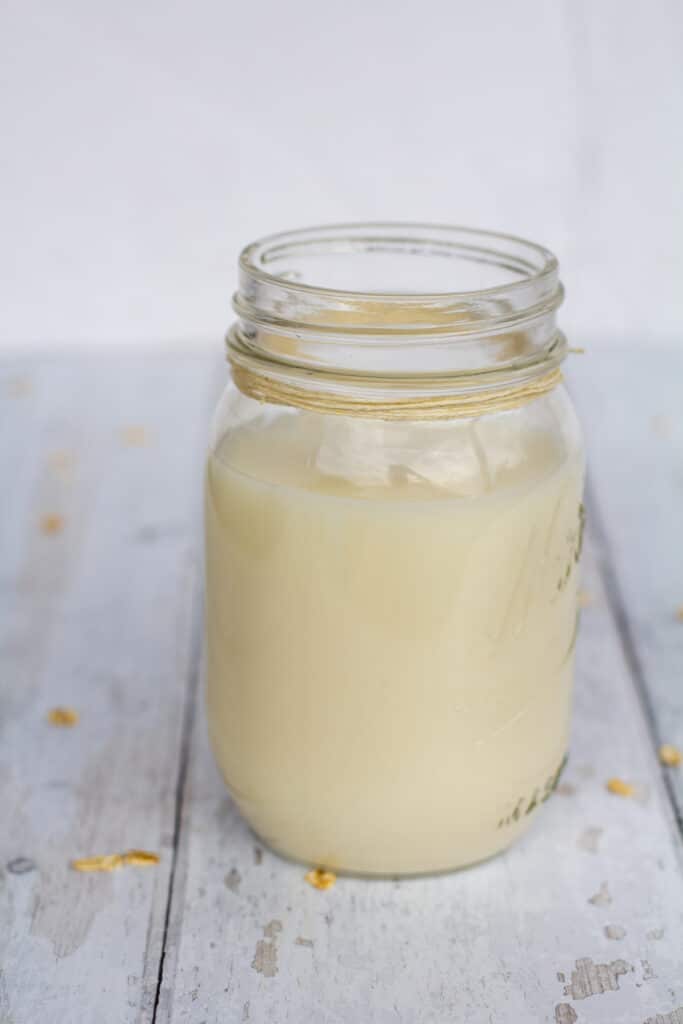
x,y
390,648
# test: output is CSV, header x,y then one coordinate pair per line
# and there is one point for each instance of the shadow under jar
x,y
393,523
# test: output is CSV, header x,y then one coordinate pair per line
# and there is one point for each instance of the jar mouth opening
x,y
393,300
398,263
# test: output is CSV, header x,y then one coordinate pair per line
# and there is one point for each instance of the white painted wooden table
x,y
581,921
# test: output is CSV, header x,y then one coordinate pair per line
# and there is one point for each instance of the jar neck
x,y
354,310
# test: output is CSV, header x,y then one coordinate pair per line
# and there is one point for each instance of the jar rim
x,y
533,264
316,301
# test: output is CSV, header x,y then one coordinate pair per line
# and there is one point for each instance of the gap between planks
x,y
194,675
617,605
189,714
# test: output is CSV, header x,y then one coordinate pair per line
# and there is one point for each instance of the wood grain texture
x,y
96,616
632,408
580,922
524,937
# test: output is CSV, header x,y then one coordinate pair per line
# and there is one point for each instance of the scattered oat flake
x,y
620,788
585,599
113,861
679,613
140,858
52,524
63,716
670,755
134,436
577,351
107,862
320,879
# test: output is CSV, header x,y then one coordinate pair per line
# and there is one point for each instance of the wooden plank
x,y
109,605
631,404
581,920
95,614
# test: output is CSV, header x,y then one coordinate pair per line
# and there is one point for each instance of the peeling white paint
x,y
591,979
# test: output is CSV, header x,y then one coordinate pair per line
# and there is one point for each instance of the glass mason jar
x,y
393,522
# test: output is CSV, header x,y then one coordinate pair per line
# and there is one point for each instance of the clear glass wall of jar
x,y
393,524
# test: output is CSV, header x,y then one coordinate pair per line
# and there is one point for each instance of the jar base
x,y
392,873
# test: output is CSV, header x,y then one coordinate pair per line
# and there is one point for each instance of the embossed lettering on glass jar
x,y
393,523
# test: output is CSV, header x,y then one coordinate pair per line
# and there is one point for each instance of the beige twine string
x,y
432,407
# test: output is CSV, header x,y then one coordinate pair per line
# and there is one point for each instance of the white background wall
x,y
145,142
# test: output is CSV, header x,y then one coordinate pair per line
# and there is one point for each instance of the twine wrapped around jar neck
x,y
269,389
